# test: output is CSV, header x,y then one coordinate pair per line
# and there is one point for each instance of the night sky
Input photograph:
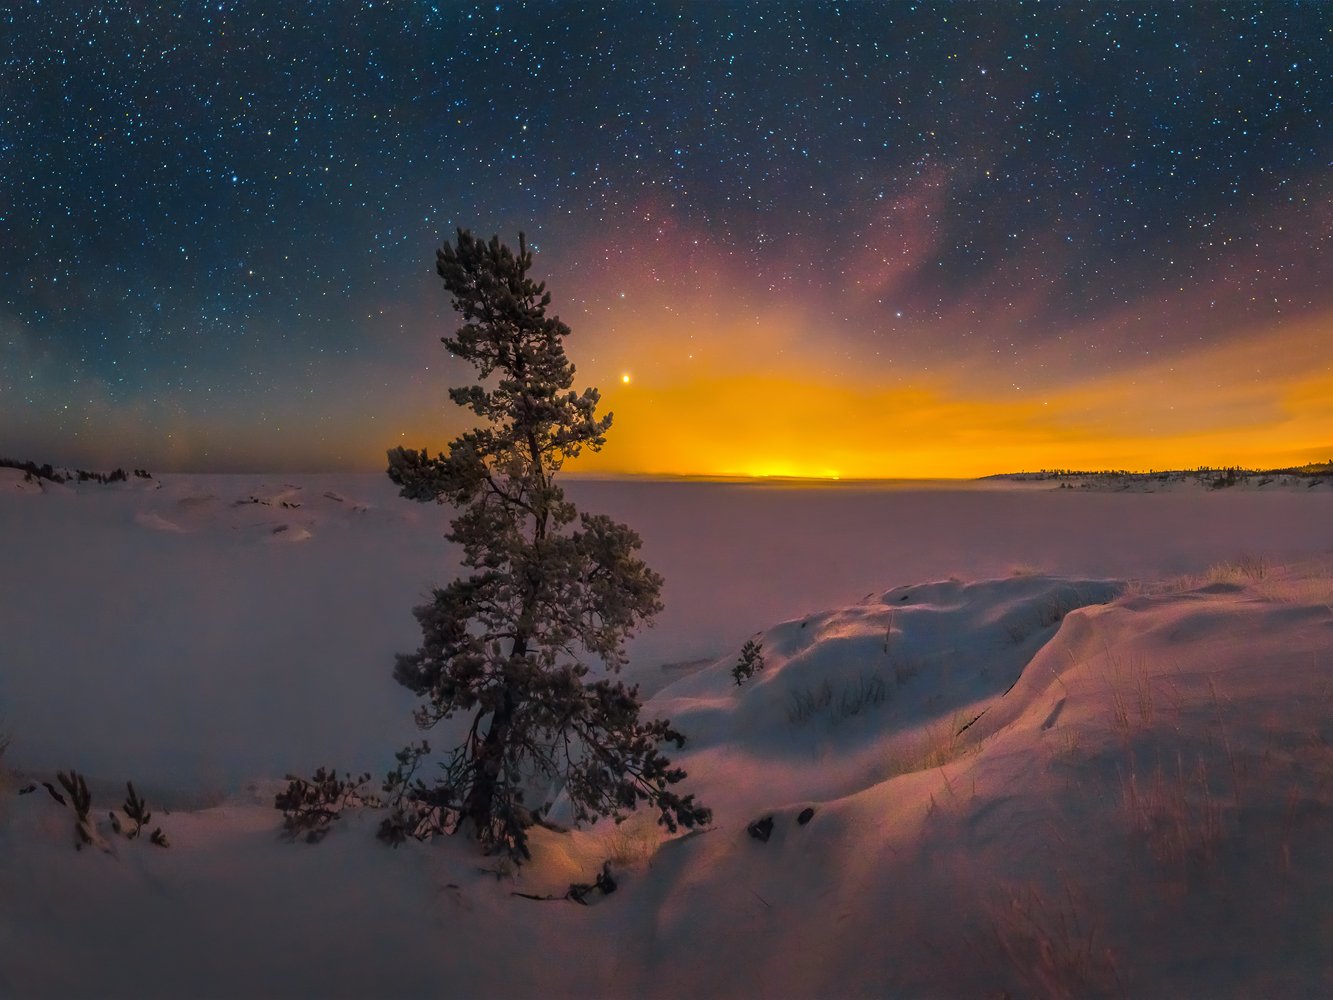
x,y
861,239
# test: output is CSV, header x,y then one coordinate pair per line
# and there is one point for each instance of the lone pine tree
x,y
528,643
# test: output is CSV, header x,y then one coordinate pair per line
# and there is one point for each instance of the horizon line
x,y
747,478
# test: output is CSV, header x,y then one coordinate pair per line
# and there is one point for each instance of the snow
x,y
1058,743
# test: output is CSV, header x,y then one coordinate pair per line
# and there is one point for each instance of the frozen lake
x,y
149,623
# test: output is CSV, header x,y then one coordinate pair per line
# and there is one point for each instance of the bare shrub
x,y
868,691
805,704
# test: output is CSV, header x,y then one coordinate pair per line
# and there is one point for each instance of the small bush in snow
x,y
76,796
309,808
752,659
805,704
136,811
80,800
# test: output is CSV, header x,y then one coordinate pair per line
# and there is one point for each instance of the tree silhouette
x,y
528,643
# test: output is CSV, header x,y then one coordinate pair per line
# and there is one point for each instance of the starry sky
x,y
834,239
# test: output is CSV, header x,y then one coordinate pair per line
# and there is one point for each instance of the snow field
x,y
1044,782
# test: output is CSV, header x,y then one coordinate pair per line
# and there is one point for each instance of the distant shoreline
x,y
1206,477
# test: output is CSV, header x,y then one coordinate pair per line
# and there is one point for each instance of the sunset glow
x,y
1263,401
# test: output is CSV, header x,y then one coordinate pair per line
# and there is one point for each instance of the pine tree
x,y
528,643
751,660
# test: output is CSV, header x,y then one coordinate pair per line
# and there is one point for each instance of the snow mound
x,y
156,522
16,481
845,694
243,508
1144,812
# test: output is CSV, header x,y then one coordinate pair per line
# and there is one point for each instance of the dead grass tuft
x,y
1131,692
632,842
1176,813
940,743
1052,945
1245,568
868,691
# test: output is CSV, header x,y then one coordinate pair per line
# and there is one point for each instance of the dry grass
x,y
856,697
1131,692
632,842
1311,589
1175,811
1052,946
1245,568
1140,588
1069,739
938,744
1050,612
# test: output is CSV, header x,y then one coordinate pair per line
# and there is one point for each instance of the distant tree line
x,y
1221,475
46,471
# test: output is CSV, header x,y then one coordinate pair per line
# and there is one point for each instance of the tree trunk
x,y
480,803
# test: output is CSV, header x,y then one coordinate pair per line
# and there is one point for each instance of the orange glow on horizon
x,y
1265,400
730,390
